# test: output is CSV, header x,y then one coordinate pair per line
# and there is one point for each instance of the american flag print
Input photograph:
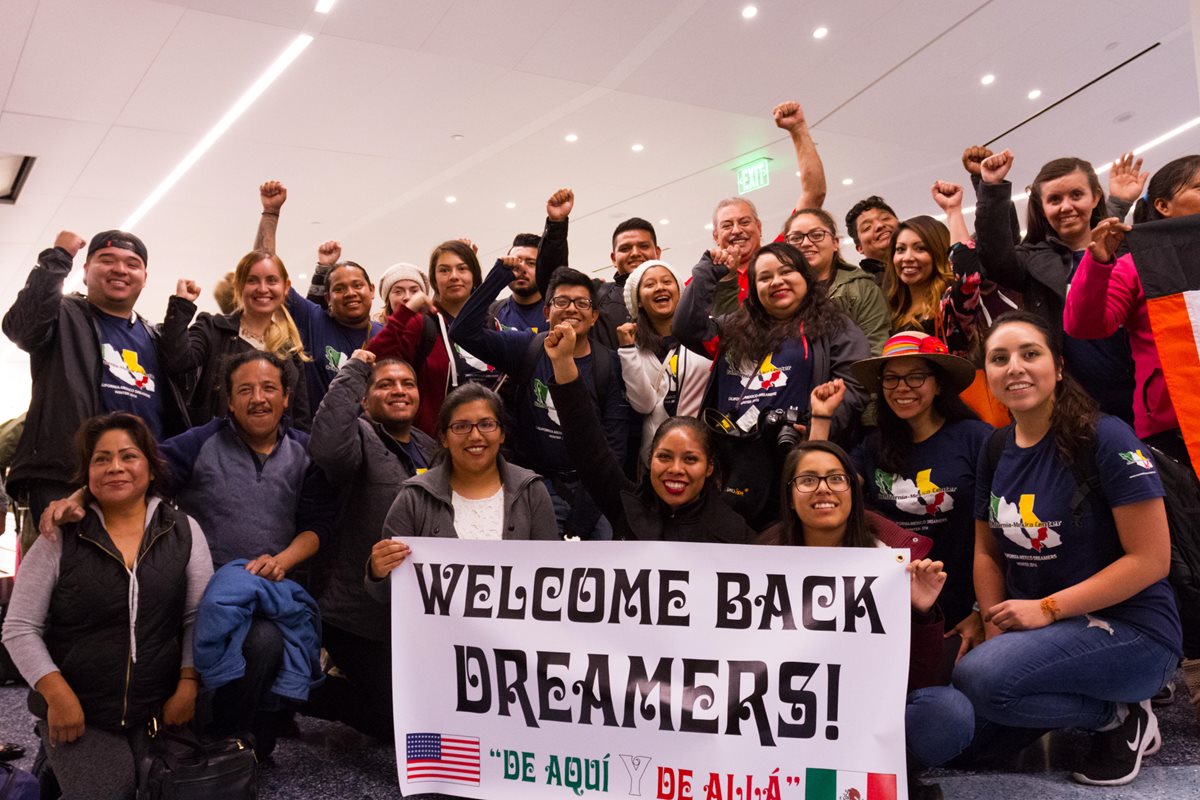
x,y
441,757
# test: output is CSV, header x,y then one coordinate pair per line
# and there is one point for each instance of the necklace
x,y
249,335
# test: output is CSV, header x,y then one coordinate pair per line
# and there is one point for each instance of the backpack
x,y
1181,499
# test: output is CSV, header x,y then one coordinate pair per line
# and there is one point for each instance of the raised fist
x,y
187,289
329,253
366,356
972,157
273,195
789,115
947,195
994,169
560,341
474,247
69,241
627,334
559,206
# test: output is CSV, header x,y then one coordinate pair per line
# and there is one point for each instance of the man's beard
x,y
523,294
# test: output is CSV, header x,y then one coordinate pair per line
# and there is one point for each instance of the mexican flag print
x,y
833,784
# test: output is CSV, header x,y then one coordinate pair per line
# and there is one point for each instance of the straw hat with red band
x,y
956,373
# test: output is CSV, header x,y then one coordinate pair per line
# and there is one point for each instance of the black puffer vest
x,y
121,681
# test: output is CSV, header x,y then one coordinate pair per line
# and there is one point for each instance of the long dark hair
x,y
1165,184
1037,228
89,434
858,532
751,334
463,251
911,307
895,442
1074,415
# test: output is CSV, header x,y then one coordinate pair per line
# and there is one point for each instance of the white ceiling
x,y
111,94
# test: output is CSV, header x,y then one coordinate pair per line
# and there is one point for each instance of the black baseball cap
x,y
121,239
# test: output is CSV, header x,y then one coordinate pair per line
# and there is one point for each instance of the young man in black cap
x,y
88,355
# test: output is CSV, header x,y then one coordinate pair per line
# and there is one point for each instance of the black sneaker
x,y
1165,696
1116,755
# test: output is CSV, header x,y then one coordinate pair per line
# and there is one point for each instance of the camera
x,y
783,419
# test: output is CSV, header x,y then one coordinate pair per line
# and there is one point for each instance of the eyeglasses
x,y
582,303
913,380
837,482
816,236
462,427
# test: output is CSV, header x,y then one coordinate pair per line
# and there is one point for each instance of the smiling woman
x,y
261,322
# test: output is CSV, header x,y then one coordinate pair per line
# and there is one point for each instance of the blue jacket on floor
x,y
234,596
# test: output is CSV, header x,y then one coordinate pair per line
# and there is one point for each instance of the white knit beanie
x,y
401,272
634,280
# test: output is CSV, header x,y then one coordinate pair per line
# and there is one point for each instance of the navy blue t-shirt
x,y
514,316
781,380
415,455
1047,548
129,379
327,341
934,496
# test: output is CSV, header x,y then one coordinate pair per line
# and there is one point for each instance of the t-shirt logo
x,y
1021,525
1135,458
921,497
334,358
768,376
125,367
542,399
673,365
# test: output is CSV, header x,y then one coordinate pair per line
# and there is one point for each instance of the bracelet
x,y
270,213
189,678
1050,608
819,416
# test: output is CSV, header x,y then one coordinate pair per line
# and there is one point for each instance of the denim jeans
x,y
1070,674
939,722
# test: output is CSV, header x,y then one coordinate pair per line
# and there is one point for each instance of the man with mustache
x,y
523,310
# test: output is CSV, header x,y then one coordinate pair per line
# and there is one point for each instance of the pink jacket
x,y
1102,298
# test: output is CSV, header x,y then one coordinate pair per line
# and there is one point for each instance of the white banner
x,y
670,671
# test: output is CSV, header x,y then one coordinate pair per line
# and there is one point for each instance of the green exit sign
x,y
754,175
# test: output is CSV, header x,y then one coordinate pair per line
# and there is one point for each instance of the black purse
x,y
177,765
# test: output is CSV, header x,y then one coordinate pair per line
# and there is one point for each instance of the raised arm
x,y
949,198
553,252
583,436
1105,290
32,320
993,234
272,195
328,255
182,348
1125,184
693,324
790,117
502,349
334,444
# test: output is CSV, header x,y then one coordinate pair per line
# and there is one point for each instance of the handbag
x,y
177,765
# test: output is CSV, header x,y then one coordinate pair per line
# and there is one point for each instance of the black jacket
x,y
203,350
88,624
634,510
62,337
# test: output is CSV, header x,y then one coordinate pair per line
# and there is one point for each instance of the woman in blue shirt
x,y
1081,625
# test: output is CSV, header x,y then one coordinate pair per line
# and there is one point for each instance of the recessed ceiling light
x,y
821,33
571,137
749,12
798,173
323,6
847,181
1034,94
451,199
303,276
988,80
708,226
510,204
456,137
664,222
637,148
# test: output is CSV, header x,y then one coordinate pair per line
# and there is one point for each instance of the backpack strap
x,y
429,335
995,448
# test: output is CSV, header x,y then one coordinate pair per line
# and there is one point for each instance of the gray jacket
x,y
368,468
424,508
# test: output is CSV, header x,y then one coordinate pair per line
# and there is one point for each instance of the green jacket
x,y
857,296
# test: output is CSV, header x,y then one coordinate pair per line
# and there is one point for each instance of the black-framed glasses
x,y
462,428
816,236
836,482
560,301
913,380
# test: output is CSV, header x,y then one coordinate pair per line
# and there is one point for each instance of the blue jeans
x,y
1071,674
939,722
